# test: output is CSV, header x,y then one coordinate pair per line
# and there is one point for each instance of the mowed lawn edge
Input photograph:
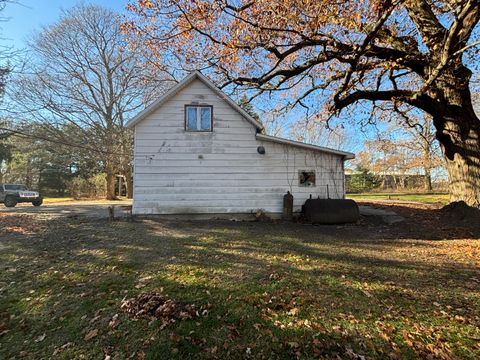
x,y
427,198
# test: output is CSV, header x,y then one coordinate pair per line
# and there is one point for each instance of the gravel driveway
x,y
90,209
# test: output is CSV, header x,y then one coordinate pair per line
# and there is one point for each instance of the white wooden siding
x,y
220,172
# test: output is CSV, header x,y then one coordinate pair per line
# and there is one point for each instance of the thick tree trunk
x,y
428,180
459,136
28,175
427,168
129,184
458,131
110,176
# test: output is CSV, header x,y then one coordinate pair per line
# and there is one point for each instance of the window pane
x,y
306,178
15,187
191,118
206,117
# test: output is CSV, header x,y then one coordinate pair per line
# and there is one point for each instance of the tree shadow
x,y
421,222
255,275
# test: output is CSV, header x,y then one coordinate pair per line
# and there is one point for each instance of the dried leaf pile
x,y
19,224
155,305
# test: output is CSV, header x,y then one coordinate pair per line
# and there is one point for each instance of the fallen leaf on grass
x,y
3,329
176,338
92,320
40,338
91,334
114,321
407,338
212,351
62,348
366,293
293,344
294,311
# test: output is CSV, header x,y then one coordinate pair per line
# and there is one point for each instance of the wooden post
x,y
120,185
111,213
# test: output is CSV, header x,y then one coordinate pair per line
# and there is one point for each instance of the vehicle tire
x,y
10,201
37,202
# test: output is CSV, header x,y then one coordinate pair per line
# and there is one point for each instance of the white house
x,y
197,151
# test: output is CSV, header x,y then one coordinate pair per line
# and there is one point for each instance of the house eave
x,y
346,155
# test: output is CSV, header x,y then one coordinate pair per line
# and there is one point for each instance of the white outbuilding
x,y
198,152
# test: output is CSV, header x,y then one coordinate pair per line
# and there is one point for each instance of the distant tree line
x,y
54,168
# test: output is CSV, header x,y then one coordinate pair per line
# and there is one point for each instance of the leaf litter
x,y
155,305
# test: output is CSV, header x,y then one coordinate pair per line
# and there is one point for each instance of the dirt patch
x,y
459,211
427,221
155,305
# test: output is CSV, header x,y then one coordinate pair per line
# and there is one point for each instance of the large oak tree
x,y
391,54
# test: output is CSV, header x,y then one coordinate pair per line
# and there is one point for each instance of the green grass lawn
x,y
49,200
272,291
419,197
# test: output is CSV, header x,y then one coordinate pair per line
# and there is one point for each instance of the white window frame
x,y
199,118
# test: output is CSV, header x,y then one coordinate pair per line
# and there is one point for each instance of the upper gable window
x,y
198,118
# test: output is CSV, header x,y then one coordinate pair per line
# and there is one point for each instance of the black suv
x,y
12,194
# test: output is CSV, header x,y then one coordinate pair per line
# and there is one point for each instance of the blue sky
x,y
28,16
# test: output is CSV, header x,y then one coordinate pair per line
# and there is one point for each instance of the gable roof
x,y
346,155
198,75
181,85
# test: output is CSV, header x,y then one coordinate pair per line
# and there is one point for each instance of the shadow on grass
x,y
276,291
426,222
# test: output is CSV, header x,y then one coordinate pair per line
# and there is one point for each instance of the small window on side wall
x,y
306,178
198,118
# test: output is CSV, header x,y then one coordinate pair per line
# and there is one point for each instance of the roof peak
x,y
181,85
